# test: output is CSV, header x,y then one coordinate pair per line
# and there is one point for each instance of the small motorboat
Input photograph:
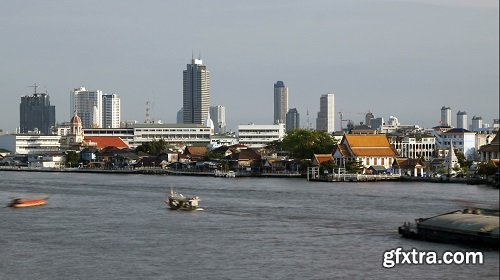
x,y
178,201
22,203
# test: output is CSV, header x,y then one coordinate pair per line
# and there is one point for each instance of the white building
x,y
445,116
110,111
259,136
477,123
326,115
174,134
461,139
411,147
280,102
88,105
218,115
30,143
222,140
462,120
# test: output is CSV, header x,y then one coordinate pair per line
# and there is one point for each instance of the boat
x,y
22,203
177,201
469,226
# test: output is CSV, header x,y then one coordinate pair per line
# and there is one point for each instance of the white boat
x,y
177,201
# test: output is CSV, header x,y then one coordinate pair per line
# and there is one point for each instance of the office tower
x,y
36,114
292,119
477,123
462,120
110,111
180,115
446,116
196,92
368,119
88,105
326,115
280,102
218,115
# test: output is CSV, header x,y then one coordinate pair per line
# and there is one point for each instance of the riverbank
x,y
491,181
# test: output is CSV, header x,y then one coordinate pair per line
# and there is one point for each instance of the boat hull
x,y
28,203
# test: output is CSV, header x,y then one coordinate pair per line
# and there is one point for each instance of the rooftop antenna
x,y
148,111
35,86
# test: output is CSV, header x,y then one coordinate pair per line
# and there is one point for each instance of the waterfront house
x,y
100,142
409,166
193,153
320,158
246,159
368,150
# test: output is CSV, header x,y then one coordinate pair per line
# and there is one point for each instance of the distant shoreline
x,y
158,171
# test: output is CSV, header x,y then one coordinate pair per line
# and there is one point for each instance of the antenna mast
x,y
148,111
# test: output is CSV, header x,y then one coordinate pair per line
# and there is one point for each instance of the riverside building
x,y
259,136
326,115
196,92
36,114
280,102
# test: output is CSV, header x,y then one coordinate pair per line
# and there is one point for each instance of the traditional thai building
x,y
368,150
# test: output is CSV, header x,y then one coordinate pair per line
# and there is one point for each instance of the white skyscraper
x,y
326,114
280,102
110,111
88,105
462,120
446,116
196,92
218,115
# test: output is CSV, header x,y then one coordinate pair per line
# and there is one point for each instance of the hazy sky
x,y
405,58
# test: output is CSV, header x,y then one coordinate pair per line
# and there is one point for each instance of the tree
x,y
327,165
303,144
353,166
72,159
153,148
488,168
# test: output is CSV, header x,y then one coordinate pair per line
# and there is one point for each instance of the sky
x,y
403,58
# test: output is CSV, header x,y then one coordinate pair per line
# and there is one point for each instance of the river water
x,y
118,227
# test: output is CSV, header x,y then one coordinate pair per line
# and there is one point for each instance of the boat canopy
x,y
464,223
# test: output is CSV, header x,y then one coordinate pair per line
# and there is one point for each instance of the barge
x,y
469,226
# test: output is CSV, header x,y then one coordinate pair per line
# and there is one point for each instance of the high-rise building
x,y
218,115
446,116
368,119
36,114
110,111
280,102
462,120
88,105
292,119
180,116
326,115
196,92
477,123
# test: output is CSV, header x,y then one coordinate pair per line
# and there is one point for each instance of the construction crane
x,y
342,120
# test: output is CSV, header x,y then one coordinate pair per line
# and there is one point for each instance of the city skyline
x,y
401,58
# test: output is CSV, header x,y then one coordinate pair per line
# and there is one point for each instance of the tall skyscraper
x,y
180,116
36,114
462,120
446,116
368,119
196,92
292,119
218,115
326,115
477,123
280,102
110,111
88,105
